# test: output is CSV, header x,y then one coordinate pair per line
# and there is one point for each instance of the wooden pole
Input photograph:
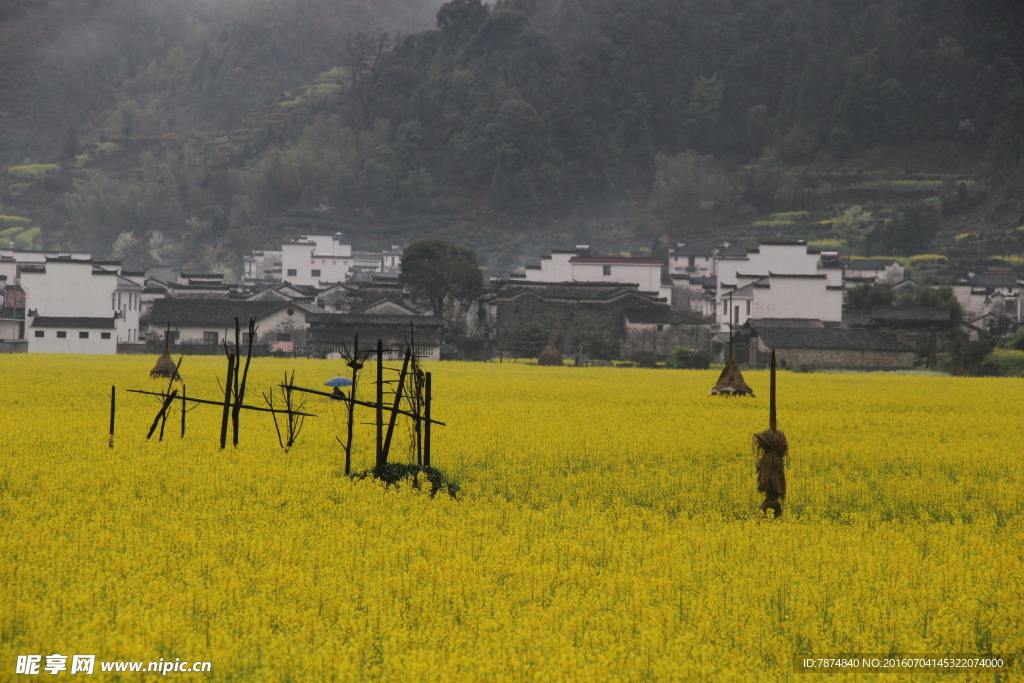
x,y
163,420
394,413
331,396
771,401
240,386
426,426
380,402
183,411
246,407
227,401
113,408
168,399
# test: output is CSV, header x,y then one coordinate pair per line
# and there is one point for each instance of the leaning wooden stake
x,y
382,461
771,447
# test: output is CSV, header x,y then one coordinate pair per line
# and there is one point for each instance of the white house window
x,y
293,271
62,335
314,273
83,335
748,307
661,328
210,337
40,333
104,335
606,270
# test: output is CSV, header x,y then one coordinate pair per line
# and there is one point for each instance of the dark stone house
x,y
817,348
582,317
329,332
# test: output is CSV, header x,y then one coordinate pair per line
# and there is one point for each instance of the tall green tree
x,y
442,275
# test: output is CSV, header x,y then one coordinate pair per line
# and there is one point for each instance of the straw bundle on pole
x,y
771,448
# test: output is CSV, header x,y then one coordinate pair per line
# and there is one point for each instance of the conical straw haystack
x,y
164,367
730,382
550,354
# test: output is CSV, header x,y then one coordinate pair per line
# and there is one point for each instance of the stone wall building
x,y
584,317
330,332
820,348
653,333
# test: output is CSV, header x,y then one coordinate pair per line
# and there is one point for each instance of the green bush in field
x,y
27,239
683,358
7,222
1004,363
17,189
32,171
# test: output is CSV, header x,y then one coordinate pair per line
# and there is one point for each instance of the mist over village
x,y
560,339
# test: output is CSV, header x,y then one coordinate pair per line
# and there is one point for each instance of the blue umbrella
x,y
338,382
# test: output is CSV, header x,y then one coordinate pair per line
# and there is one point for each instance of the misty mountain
x,y
202,64
224,126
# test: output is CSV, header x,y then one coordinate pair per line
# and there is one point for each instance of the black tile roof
x,y
663,316
74,323
870,264
828,338
933,314
737,250
218,312
341,328
857,318
996,279
580,291
695,249
761,323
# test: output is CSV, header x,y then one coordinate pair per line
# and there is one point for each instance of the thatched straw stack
x,y
730,382
771,448
550,354
165,367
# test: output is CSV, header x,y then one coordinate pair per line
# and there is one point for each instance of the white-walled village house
x,y
79,306
776,280
577,265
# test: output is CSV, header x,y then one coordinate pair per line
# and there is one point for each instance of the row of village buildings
x,y
315,294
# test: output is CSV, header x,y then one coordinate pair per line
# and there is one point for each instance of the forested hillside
x,y
516,126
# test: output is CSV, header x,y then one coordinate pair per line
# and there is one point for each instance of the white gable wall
x,y
69,289
554,268
797,298
303,262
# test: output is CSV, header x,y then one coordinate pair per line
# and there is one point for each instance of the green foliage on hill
x,y
217,124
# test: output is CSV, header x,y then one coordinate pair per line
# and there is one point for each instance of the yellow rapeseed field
x,y
605,528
